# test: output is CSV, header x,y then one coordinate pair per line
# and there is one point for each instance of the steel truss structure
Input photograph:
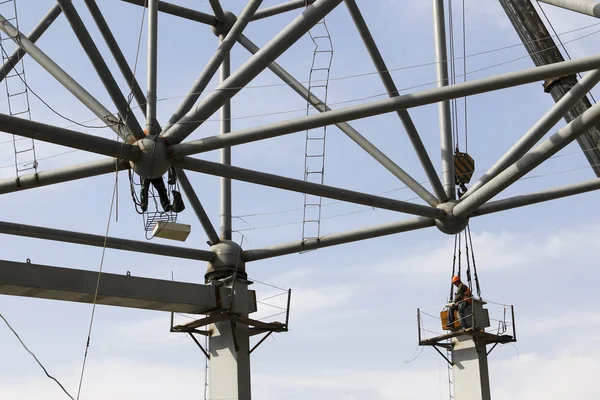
x,y
151,156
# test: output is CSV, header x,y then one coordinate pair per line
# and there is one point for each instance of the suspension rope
x,y
453,264
474,266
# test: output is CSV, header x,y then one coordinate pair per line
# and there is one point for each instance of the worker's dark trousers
x,y
461,314
159,184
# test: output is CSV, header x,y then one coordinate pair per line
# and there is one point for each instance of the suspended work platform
x,y
497,329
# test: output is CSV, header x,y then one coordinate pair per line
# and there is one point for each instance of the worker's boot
x,y
144,194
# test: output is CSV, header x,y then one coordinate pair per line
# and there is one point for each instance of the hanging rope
x,y
474,266
453,264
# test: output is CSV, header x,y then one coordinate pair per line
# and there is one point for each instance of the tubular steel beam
x,y
65,137
117,54
587,7
352,133
281,8
226,223
101,68
248,71
543,50
391,88
539,197
385,106
54,283
441,58
339,238
34,35
86,239
60,175
296,185
151,124
183,180
213,65
543,126
61,76
217,9
178,11
529,161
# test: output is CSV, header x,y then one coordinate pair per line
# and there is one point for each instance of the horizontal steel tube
x,y
297,185
587,7
339,238
86,239
281,8
183,180
34,35
179,11
65,79
69,138
250,69
61,175
528,162
388,105
534,198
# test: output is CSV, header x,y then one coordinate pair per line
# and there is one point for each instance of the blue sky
x,y
353,312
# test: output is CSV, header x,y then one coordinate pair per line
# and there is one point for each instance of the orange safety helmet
x,y
455,279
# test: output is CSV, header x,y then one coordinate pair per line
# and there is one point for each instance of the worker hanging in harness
x,y
163,193
160,187
461,300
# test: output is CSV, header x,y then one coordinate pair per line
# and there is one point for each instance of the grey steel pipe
x,y
538,197
338,238
587,7
102,69
352,133
183,180
34,35
217,9
281,8
254,66
392,90
385,106
117,54
529,161
225,155
441,58
59,235
61,76
60,175
65,137
537,131
151,124
179,11
213,64
296,185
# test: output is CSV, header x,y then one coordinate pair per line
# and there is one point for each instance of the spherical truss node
x,y
223,27
154,158
451,224
228,260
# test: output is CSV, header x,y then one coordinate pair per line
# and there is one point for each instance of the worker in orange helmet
x,y
461,300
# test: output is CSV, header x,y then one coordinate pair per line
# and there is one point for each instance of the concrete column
x,y
470,369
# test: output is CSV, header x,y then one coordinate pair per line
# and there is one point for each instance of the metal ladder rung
x,y
19,113
24,151
17,94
